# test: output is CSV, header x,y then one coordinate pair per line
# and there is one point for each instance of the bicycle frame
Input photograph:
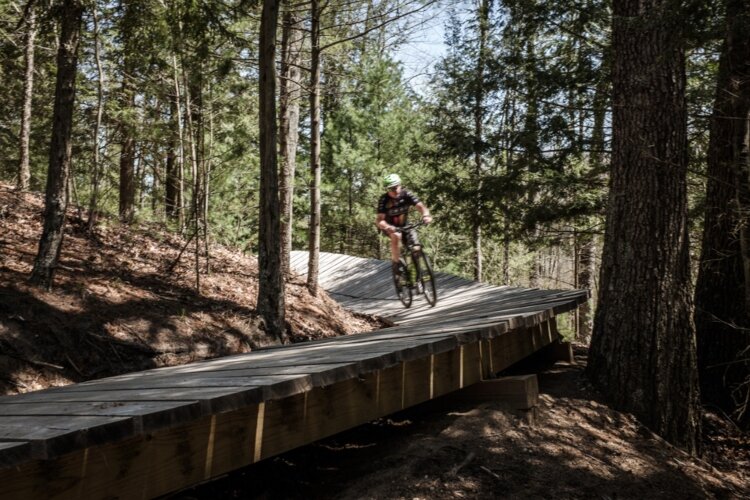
x,y
417,267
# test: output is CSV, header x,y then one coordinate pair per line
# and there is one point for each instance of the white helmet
x,y
391,180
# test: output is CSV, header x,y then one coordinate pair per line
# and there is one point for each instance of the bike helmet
x,y
391,180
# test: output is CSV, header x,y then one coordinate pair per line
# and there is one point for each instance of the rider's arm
x,y
383,224
426,217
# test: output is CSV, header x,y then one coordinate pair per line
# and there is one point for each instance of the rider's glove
x,y
427,219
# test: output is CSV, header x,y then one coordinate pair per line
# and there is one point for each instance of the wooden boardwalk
x,y
144,434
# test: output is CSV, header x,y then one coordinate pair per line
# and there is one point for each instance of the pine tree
x,y
642,352
56,197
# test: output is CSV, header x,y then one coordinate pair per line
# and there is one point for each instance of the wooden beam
x,y
514,393
142,467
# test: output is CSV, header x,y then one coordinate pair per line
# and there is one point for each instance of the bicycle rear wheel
x,y
402,287
427,278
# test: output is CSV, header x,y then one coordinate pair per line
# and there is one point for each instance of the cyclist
x,y
393,207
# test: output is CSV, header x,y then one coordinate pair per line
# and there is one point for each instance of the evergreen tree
x,y
643,347
722,296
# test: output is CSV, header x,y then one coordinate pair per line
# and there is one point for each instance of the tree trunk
x,y
96,178
479,96
506,250
127,121
271,281
171,184
290,91
127,159
314,235
532,153
177,183
56,196
191,116
24,169
586,266
643,347
722,314
207,167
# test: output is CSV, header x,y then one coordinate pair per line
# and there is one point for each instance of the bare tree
x,y
289,96
94,201
314,236
56,196
271,281
24,169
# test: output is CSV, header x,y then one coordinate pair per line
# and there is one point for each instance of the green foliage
x,y
373,130
544,112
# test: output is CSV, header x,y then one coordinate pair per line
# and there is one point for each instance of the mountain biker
x,y
393,208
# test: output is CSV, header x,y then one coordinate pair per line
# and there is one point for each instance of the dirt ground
x,y
571,446
124,301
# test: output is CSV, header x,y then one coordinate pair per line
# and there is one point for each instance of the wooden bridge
x,y
145,434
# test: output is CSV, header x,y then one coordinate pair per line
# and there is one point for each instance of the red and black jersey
x,y
395,209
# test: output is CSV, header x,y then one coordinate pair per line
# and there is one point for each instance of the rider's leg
x,y
395,250
395,253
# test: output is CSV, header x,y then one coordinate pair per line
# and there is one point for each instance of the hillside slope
x,y
120,303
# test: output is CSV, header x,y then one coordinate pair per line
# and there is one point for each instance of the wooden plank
x,y
52,436
320,413
519,392
446,373
416,386
271,386
148,416
13,453
144,466
211,399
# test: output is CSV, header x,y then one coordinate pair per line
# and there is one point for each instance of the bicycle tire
x,y
403,291
427,278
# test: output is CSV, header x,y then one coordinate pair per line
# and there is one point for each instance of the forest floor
x,y
122,301
120,305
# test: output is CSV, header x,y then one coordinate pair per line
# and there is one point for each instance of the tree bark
x,y
24,169
95,180
177,183
586,266
191,117
271,281
314,234
642,353
722,314
127,132
127,173
479,96
289,95
61,146
172,187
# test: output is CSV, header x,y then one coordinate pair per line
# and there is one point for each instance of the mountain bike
x,y
414,273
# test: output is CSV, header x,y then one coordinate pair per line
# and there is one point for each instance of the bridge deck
x,y
144,434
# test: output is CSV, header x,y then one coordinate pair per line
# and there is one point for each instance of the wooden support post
x,y
561,351
514,393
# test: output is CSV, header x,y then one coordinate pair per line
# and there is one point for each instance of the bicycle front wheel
x,y
402,287
427,278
